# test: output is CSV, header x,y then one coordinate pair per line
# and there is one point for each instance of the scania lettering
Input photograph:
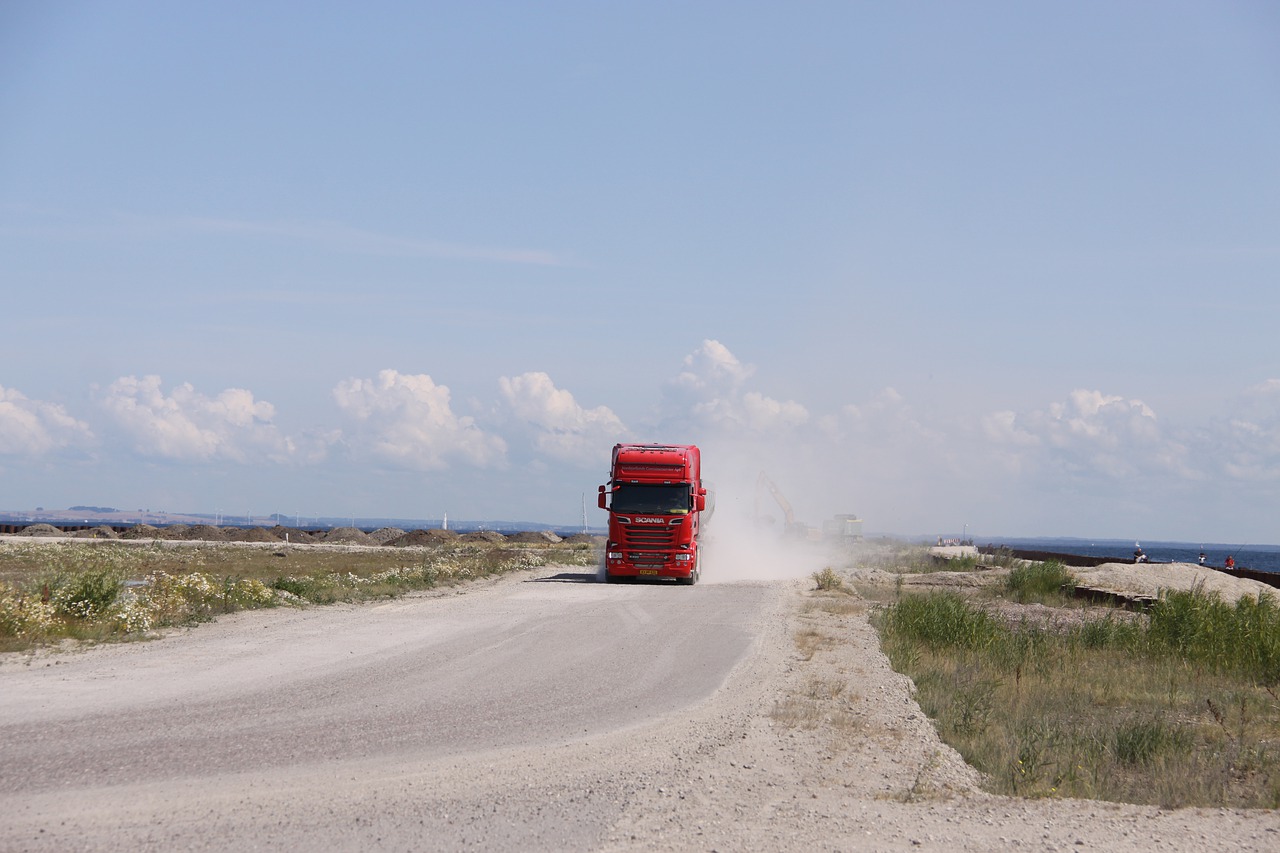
x,y
664,482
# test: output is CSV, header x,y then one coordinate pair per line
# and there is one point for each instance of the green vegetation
x,y
1178,709
828,579
1044,583
98,591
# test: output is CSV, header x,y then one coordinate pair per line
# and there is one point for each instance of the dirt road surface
x,y
542,711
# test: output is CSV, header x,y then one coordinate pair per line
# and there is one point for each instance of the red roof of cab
x,y
656,462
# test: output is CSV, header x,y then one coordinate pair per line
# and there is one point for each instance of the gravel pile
x,y
348,536
424,538
252,534
534,537
292,535
491,536
41,530
99,532
383,535
205,533
142,531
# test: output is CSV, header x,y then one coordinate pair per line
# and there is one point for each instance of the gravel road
x,y
540,711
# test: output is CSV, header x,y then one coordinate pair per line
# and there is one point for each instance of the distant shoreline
x,y
14,526
1271,578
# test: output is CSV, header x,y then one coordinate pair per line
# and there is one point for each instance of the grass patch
x,y
110,591
1181,710
1243,638
1043,583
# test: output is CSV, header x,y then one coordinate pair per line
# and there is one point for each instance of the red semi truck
x,y
657,506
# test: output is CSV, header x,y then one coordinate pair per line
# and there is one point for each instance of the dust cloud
x,y
747,536
735,548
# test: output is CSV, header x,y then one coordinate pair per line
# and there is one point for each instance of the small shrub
x,y
24,615
132,614
248,594
828,579
961,563
1037,745
88,593
294,586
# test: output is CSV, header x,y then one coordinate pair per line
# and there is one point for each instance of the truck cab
x,y
657,505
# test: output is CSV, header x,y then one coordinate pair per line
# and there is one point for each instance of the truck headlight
x,y
683,558
614,555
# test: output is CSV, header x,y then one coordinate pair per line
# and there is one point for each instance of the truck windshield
x,y
640,497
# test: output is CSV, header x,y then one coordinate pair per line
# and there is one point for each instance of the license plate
x,y
646,571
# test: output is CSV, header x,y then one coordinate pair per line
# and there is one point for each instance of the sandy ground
x,y
755,765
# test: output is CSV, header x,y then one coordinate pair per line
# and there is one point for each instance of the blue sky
x,y
1004,265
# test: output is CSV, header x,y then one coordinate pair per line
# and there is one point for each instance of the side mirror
x,y
700,501
600,498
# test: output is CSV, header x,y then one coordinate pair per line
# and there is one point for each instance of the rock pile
x,y
534,537
40,530
424,537
383,535
349,536
491,536
99,532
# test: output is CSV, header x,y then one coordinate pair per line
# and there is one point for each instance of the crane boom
x,y
790,527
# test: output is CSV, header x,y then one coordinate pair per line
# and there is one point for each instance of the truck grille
x,y
650,535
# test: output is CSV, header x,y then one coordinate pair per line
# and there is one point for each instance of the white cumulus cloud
x,y
407,420
1090,433
709,395
35,427
185,424
1247,446
563,428
712,370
